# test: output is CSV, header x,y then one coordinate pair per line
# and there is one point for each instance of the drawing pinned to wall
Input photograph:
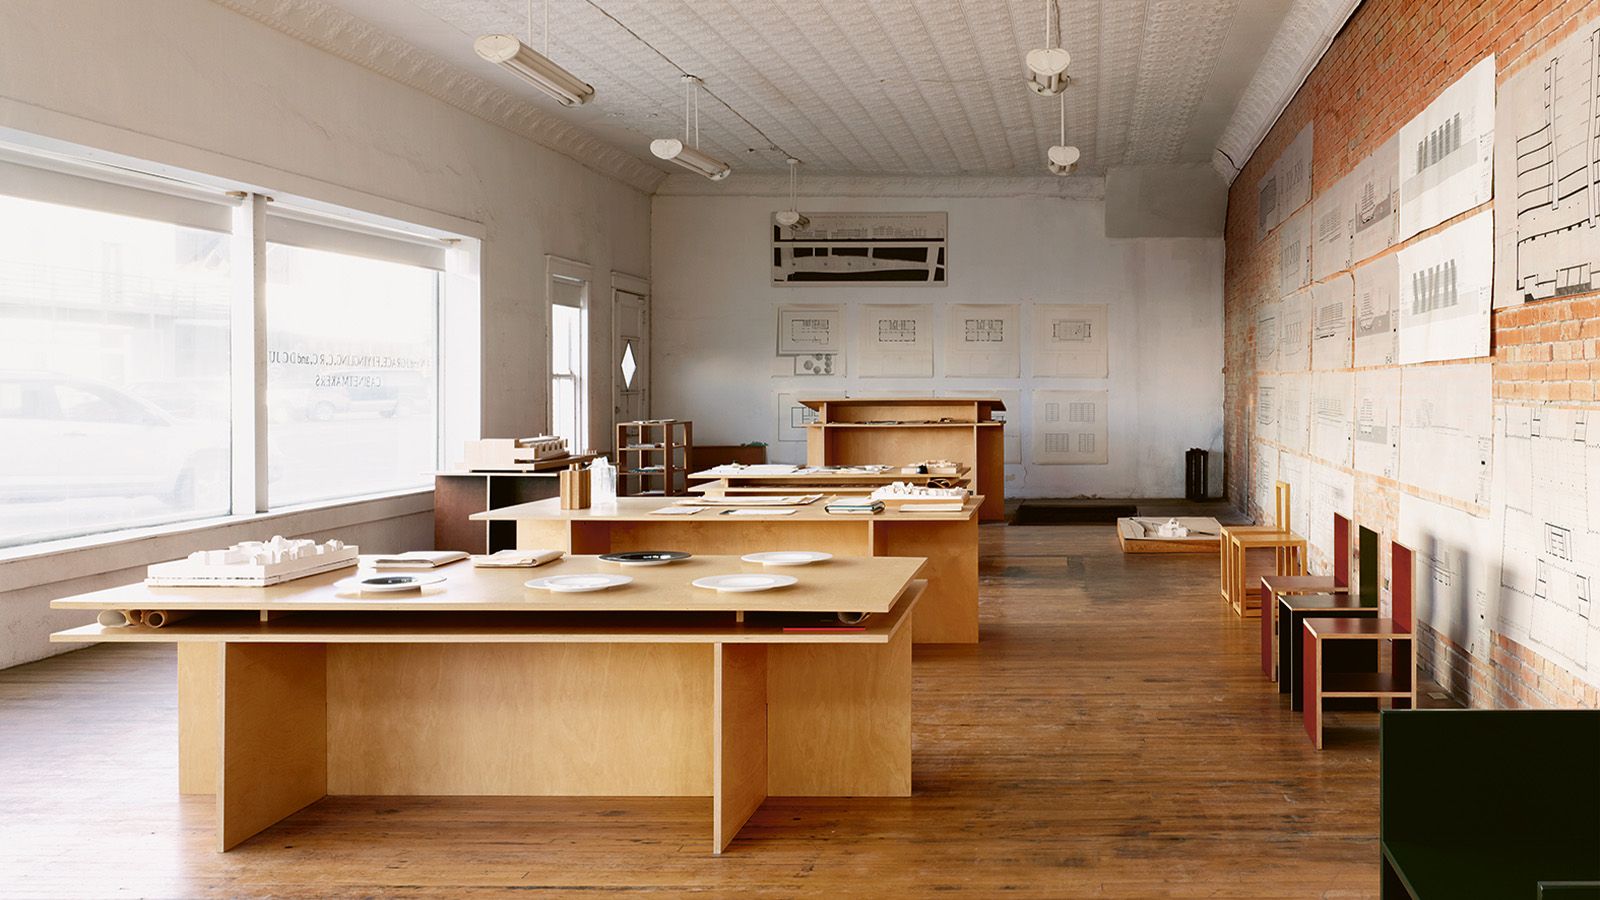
x,y
1294,173
1328,491
1294,253
1292,471
1267,215
794,416
1267,408
1330,323
1330,224
1446,430
1267,336
1446,283
1069,428
1294,332
1546,173
1011,415
861,249
1375,201
1377,321
1456,567
1332,400
818,364
1547,518
810,330
1377,425
1069,340
1263,477
1446,152
983,340
895,341
1294,403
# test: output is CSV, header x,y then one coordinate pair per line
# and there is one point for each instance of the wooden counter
x,y
468,691
949,609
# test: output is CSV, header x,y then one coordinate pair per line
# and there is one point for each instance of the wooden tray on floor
x,y
1130,536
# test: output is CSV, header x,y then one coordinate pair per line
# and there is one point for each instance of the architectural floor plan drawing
x,y
1294,332
1330,323
895,341
1547,160
1294,400
1447,431
1446,152
1294,252
1375,201
1266,336
1446,288
983,340
1547,512
1267,407
1377,323
1070,340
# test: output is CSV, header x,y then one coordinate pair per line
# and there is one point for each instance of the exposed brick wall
x,y
1390,61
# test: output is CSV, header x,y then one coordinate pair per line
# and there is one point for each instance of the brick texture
x,y
1389,62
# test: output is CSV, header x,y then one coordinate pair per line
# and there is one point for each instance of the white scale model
x,y
254,563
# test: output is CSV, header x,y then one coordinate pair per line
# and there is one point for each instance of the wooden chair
x,y
1398,685
1274,586
1288,551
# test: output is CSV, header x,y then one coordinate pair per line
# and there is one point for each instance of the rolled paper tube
x,y
158,618
117,618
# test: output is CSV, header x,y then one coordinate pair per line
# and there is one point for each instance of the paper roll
x,y
157,618
117,618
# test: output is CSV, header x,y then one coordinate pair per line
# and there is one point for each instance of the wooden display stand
x,y
457,495
905,430
653,442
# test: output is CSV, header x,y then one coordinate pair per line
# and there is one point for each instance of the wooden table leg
x,y
1269,621
1311,685
739,739
274,747
199,668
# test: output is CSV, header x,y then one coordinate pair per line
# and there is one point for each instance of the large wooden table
x,y
768,479
948,612
481,686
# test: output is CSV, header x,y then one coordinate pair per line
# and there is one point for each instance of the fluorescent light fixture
x,y
1047,70
510,53
792,218
1062,160
674,150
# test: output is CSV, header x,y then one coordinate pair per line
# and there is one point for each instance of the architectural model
x,y
254,563
511,453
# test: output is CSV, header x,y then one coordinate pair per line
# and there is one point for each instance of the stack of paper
x,y
854,506
418,559
516,559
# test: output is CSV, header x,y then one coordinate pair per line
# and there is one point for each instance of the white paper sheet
x,y
1263,476
1446,283
1332,419
1375,202
1330,322
1294,332
1267,336
1294,253
793,417
1069,340
1292,471
1294,405
1329,491
1456,567
895,341
1446,430
1266,412
1069,428
1548,236
1330,230
1268,215
810,329
1377,422
983,340
1446,152
1377,319
1294,173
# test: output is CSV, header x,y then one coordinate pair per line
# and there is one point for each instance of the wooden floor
x,y
1111,736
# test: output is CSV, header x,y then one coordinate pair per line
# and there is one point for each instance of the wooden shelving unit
x,y
457,495
653,457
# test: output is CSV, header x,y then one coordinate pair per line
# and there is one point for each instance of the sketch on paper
x,y
1547,514
1455,569
1294,332
1377,425
808,330
1267,336
1375,201
1447,151
1069,427
1332,397
1294,403
1263,478
793,417
1446,430
1446,283
1292,471
1069,340
1377,323
1294,253
895,341
1328,492
1294,174
983,340
1267,217
1267,407
1011,416
863,249
818,364
1330,224
1330,323
1547,163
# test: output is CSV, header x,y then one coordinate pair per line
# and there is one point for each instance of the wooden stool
x,y
1231,575
1275,586
1398,685
1289,558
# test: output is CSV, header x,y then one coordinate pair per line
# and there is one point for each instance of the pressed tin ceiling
x,y
880,88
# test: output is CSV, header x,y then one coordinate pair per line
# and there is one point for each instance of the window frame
x,y
570,271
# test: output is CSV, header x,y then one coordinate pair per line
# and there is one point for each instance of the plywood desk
x,y
480,686
948,613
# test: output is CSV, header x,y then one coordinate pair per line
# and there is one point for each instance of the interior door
x,y
630,356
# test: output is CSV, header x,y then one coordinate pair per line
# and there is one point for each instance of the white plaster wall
x,y
715,310
188,83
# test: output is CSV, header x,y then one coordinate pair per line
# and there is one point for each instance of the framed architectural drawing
x,y
1069,341
983,340
807,330
863,249
895,341
1069,428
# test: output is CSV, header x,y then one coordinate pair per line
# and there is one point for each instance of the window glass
x,y
352,375
566,376
113,372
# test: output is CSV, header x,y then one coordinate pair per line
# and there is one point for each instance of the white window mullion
x,y
249,358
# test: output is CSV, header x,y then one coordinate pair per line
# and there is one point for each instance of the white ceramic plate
x,y
378,584
787,557
742,584
578,584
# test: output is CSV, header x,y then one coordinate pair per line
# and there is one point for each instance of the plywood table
x,y
726,480
479,686
948,612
